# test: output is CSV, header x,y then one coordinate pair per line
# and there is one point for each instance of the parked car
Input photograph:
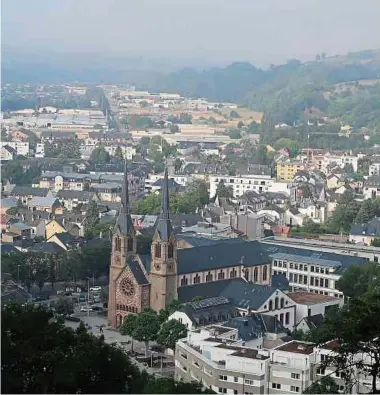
x,y
72,318
85,309
95,289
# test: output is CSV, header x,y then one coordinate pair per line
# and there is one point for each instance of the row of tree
x,y
149,326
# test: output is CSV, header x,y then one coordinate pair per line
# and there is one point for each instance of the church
x,y
174,263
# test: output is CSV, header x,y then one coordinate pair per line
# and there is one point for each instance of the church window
x,y
265,273
208,277
157,251
117,307
276,303
246,274
117,244
184,281
170,250
255,275
282,303
271,305
221,275
197,279
130,244
233,273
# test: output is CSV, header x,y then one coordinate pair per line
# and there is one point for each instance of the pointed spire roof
x,y
164,225
124,221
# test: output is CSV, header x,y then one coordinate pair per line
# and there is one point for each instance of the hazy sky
x,y
260,31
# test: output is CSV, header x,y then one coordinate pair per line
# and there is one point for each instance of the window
x,y
246,274
221,275
300,278
301,267
282,303
235,392
236,379
274,263
280,264
282,318
249,382
291,265
296,278
233,273
305,280
294,389
317,282
287,318
157,251
295,376
196,279
130,244
276,386
183,355
222,390
170,250
311,280
290,277
270,305
323,357
296,266
208,277
117,244
322,270
265,273
276,303
317,269
184,281
221,377
312,268
340,375
326,283
284,265
321,371
305,268
255,274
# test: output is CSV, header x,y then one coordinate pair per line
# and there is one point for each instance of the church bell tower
x,y
123,246
163,270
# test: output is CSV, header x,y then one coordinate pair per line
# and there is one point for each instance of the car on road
x,y
85,309
96,289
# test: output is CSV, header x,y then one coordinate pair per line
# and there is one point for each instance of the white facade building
x,y
21,147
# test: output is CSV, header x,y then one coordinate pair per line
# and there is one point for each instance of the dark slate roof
x,y
171,183
209,314
146,259
371,228
7,248
138,274
249,327
179,220
221,255
198,241
48,248
314,321
68,194
279,281
272,324
373,181
29,191
345,260
248,295
211,289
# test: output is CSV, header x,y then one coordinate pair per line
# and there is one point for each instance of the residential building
x,y
241,184
7,153
365,233
371,187
21,147
288,169
374,169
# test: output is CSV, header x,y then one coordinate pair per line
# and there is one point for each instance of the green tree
x,y
234,134
177,165
170,332
99,156
223,191
366,212
12,171
291,145
64,306
92,218
170,386
375,242
359,279
172,307
144,104
147,327
129,326
327,385
174,128
119,152
40,355
306,191
240,124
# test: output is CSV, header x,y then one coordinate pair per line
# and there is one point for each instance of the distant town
x,y
117,202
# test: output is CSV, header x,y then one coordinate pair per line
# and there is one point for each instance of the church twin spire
x,y
164,227
124,222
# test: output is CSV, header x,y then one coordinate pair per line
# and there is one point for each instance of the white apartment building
x,y
374,169
21,147
240,184
181,179
220,363
308,273
127,150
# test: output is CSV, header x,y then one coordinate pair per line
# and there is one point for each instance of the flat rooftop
x,y
297,347
309,298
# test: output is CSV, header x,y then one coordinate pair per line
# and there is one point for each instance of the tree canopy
x,y
100,156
